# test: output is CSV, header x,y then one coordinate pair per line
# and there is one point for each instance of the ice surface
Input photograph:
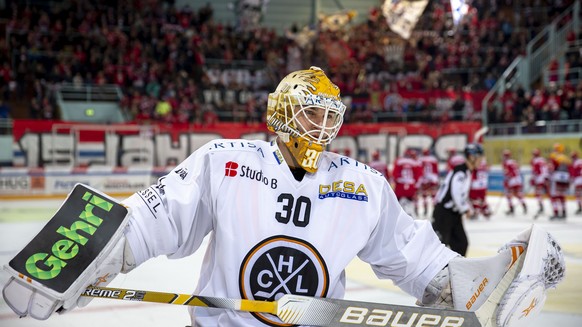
x,y
21,220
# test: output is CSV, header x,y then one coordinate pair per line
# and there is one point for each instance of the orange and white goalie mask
x,y
306,112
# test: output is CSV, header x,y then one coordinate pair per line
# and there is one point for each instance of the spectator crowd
x,y
178,65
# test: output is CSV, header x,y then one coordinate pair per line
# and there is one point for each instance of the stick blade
x,y
302,310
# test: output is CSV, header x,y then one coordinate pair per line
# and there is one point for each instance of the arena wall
x,y
48,158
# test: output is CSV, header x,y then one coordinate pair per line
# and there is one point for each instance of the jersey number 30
x,y
300,210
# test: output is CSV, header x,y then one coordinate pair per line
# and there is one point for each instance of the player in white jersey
x,y
282,217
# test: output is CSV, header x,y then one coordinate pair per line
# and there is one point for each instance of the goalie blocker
x,y
81,245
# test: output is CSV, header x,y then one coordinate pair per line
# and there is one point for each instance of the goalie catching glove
x,y
465,284
82,245
544,268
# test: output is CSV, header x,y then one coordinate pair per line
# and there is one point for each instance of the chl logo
x,y
282,265
230,169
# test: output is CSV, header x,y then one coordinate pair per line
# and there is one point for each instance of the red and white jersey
x,y
576,173
480,176
380,166
511,173
270,234
539,170
430,170
454,161
406,172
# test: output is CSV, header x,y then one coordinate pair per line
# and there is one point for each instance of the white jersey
x,y
271,234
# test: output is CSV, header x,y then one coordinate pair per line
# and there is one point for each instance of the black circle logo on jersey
x,y
282,265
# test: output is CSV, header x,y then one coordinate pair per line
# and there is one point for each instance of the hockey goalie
x,y
282,217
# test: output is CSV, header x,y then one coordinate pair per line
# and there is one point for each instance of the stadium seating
x,y
208,70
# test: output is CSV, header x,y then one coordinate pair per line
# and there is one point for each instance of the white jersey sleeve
x,y
172,217
405,250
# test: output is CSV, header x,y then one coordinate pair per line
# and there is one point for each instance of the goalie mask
x,y
306,112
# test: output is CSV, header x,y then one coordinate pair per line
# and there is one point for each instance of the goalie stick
x,y
304,310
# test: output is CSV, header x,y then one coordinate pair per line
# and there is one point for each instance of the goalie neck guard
x,y
306,112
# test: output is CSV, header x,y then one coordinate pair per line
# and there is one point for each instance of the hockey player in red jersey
x,y
478,189
539,179
405,176
379,164
347,152
560,167
512,182
576,176
429,180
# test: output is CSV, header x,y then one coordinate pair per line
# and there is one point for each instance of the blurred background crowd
x,y
178,64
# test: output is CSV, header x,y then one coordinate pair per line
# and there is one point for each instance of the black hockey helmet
x,y
473,149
